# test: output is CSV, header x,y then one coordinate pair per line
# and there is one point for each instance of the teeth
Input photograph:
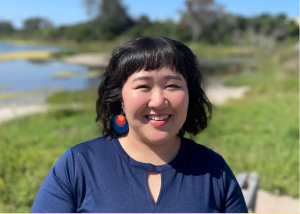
x,y
158,118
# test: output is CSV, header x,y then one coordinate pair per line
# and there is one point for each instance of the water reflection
x,y
5,47
24,77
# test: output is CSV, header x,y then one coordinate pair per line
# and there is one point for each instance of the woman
x,y
149,97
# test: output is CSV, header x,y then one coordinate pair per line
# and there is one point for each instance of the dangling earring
x,y
120,124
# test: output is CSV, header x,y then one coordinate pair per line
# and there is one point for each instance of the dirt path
x,y
269,203
10,112
219,94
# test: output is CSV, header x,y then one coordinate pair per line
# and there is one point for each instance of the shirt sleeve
x,y
56,195
234,199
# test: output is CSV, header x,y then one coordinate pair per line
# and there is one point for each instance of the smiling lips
x,y
158,120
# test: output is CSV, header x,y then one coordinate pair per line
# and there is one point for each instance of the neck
x,y
147,152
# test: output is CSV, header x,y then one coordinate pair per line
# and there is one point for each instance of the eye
x,y
173,86
142,86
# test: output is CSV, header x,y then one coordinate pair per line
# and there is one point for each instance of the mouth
x,y
158,117
158,120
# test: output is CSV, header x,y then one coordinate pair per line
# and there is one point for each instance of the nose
x,y
158,100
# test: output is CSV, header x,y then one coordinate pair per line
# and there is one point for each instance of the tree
x,y
144,27
110,16
199,14
36,23
141,25
280,28
223,30
293,28
6,27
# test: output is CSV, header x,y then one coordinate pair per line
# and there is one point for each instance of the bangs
x,y
150,54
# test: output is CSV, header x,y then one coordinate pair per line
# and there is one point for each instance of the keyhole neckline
x,y
149,166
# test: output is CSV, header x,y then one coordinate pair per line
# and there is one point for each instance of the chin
x,y
159,137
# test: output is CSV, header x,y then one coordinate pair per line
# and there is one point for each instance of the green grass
x,y
257,133
87,97
220,51
261,131
30,146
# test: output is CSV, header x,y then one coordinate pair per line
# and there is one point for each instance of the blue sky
x,y
71,11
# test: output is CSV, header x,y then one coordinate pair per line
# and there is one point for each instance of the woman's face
x,y
155,103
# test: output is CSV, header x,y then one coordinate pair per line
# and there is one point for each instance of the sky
x,y
65,12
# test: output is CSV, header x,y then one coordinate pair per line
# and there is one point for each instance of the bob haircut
x,y
149,54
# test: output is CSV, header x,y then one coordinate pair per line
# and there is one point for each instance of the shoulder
x,y
87,151
203,154
212,163
99,143
207,161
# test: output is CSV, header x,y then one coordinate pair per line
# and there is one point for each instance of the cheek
x,y
133,102
180,101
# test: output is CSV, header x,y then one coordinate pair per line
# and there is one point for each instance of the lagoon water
x,y
7,47
27,76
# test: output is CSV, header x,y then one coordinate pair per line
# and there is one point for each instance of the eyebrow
x,y
168,77
172,77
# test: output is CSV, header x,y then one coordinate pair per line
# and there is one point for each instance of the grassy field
x,y
257,133
261,132
29,148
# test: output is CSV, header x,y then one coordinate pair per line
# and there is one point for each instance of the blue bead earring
x,y
120,124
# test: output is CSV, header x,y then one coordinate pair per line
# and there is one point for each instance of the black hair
x,y
149,54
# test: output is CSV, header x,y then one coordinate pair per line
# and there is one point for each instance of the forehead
x,y
160,72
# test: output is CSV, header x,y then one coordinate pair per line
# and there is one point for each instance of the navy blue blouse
x,y
99,176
